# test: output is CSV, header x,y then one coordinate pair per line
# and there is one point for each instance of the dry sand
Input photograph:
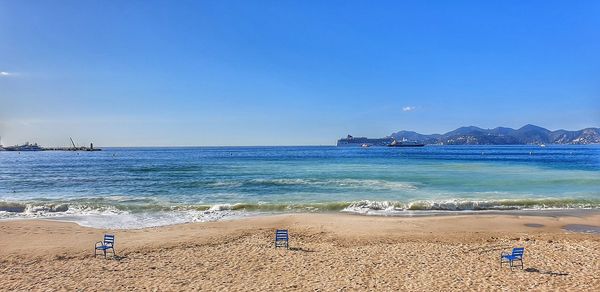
x,y
327,252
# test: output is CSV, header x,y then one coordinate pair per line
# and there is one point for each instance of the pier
x,y
82,148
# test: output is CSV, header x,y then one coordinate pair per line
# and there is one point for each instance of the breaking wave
x,y
357,184
121,213
348,183
117,216
366,206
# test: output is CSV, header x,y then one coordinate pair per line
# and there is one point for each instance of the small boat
x,y
365,145
24,147
542,145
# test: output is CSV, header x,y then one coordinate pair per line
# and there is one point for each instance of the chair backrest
x,y
518,251
281,234
109,239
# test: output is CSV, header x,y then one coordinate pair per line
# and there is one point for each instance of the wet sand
x,y
327,252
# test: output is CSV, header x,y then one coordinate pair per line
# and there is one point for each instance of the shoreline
x,y
327,252
83,220
240,215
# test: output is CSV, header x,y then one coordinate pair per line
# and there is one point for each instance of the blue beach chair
x,y
107,244
510,258
281,238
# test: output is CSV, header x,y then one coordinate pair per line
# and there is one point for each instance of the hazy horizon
x,y
238,73
67,142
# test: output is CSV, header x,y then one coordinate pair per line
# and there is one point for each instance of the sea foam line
x,y
142,215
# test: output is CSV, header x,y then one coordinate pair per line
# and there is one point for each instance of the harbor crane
x,y
73,143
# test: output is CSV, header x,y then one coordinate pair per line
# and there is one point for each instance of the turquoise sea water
x,y
137,187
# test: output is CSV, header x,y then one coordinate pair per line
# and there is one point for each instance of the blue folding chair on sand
x,y
510,258
281,238
104,246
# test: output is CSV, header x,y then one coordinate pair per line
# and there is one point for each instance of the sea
x,y
125,188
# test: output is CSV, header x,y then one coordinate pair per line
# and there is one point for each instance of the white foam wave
x,y
33,211
140,216
390,207
348,183
369,207
155,219
229,184
110,217
394,207
221,207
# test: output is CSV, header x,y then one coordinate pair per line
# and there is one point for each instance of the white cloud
x,y
6,74
408,108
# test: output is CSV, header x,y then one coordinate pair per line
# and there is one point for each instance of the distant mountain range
x,y
528,134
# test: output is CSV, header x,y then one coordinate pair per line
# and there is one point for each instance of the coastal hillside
x,y
528,134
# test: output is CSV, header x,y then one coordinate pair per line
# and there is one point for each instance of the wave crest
x,y
344,183
366,206
122,213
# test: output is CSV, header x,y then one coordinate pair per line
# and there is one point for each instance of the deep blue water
x,y
172,185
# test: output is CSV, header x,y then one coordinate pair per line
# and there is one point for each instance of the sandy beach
x,y
327,252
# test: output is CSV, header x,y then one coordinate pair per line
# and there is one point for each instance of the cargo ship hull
x,y
364,142
360,141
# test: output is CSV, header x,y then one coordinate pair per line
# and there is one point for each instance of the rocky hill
x,y
528,134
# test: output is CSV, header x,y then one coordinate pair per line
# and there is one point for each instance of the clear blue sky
x,y
291,72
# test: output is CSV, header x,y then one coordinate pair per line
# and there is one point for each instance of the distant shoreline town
x,y
526,135
471,135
